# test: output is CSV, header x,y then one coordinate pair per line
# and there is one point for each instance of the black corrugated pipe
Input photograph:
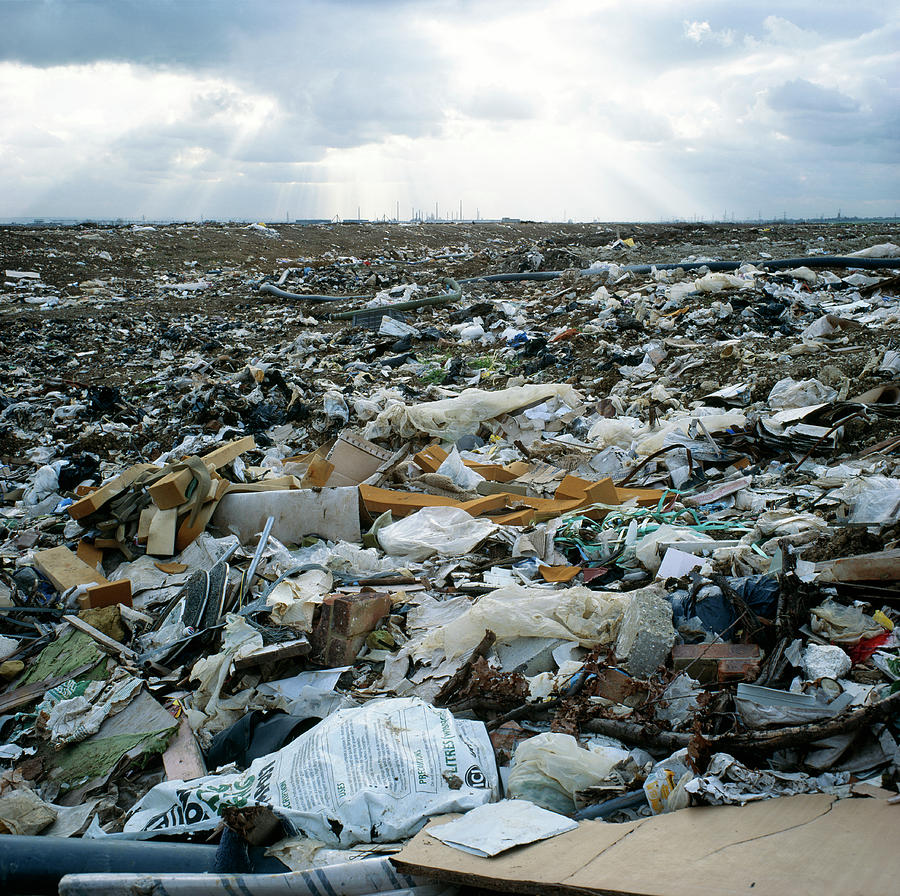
x,y
37,864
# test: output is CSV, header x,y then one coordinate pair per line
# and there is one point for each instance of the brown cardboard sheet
x,y
806,845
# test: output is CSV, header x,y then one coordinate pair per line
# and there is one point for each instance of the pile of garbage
x,y
604,544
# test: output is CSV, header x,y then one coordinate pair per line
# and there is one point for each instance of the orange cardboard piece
x,y
491,472
646,497
65,570
600,492
559,573
516,518
430,458
317,473
118,592
171,568
378,500
172,490
89,553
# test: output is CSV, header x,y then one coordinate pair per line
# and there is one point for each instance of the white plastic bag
x,y
448,531
452,418
374,773
550,769
791,393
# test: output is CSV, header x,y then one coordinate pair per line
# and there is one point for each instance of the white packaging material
x,y
791,393
716,282
727,781
461,475
653,440
331,513
496,827
452,418
448,531
471,333
590,618
890,363
392,327
647,549
616,431
877,505
679,701
8,646
882,250
665,785
549,769
336,406
825,661
369,774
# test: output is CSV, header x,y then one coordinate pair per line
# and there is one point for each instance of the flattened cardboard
x,y
805,844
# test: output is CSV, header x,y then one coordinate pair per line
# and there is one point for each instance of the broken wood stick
x,y
768,740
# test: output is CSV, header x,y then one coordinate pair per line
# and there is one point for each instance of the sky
x,y
574,109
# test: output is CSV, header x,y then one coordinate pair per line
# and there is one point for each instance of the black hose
x,y
297,297
36,864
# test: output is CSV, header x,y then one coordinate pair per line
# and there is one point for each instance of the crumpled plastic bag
x,y
73,719
373,773
461,475
679,703
24,813
665,785
452,418
876,503
716,282
646,550
843,625
549,769
448,531
579,614
789,393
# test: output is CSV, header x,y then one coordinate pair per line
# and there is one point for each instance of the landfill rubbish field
x,y
442,558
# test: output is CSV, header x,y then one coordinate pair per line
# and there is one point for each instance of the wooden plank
x,y
89,553
106,492
183,759
172,490
225,454
146,518
65,570
187,533
104,641
273,653
161,539
118,592
880,567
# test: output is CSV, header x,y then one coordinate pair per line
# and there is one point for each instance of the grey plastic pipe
x,y
815,261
